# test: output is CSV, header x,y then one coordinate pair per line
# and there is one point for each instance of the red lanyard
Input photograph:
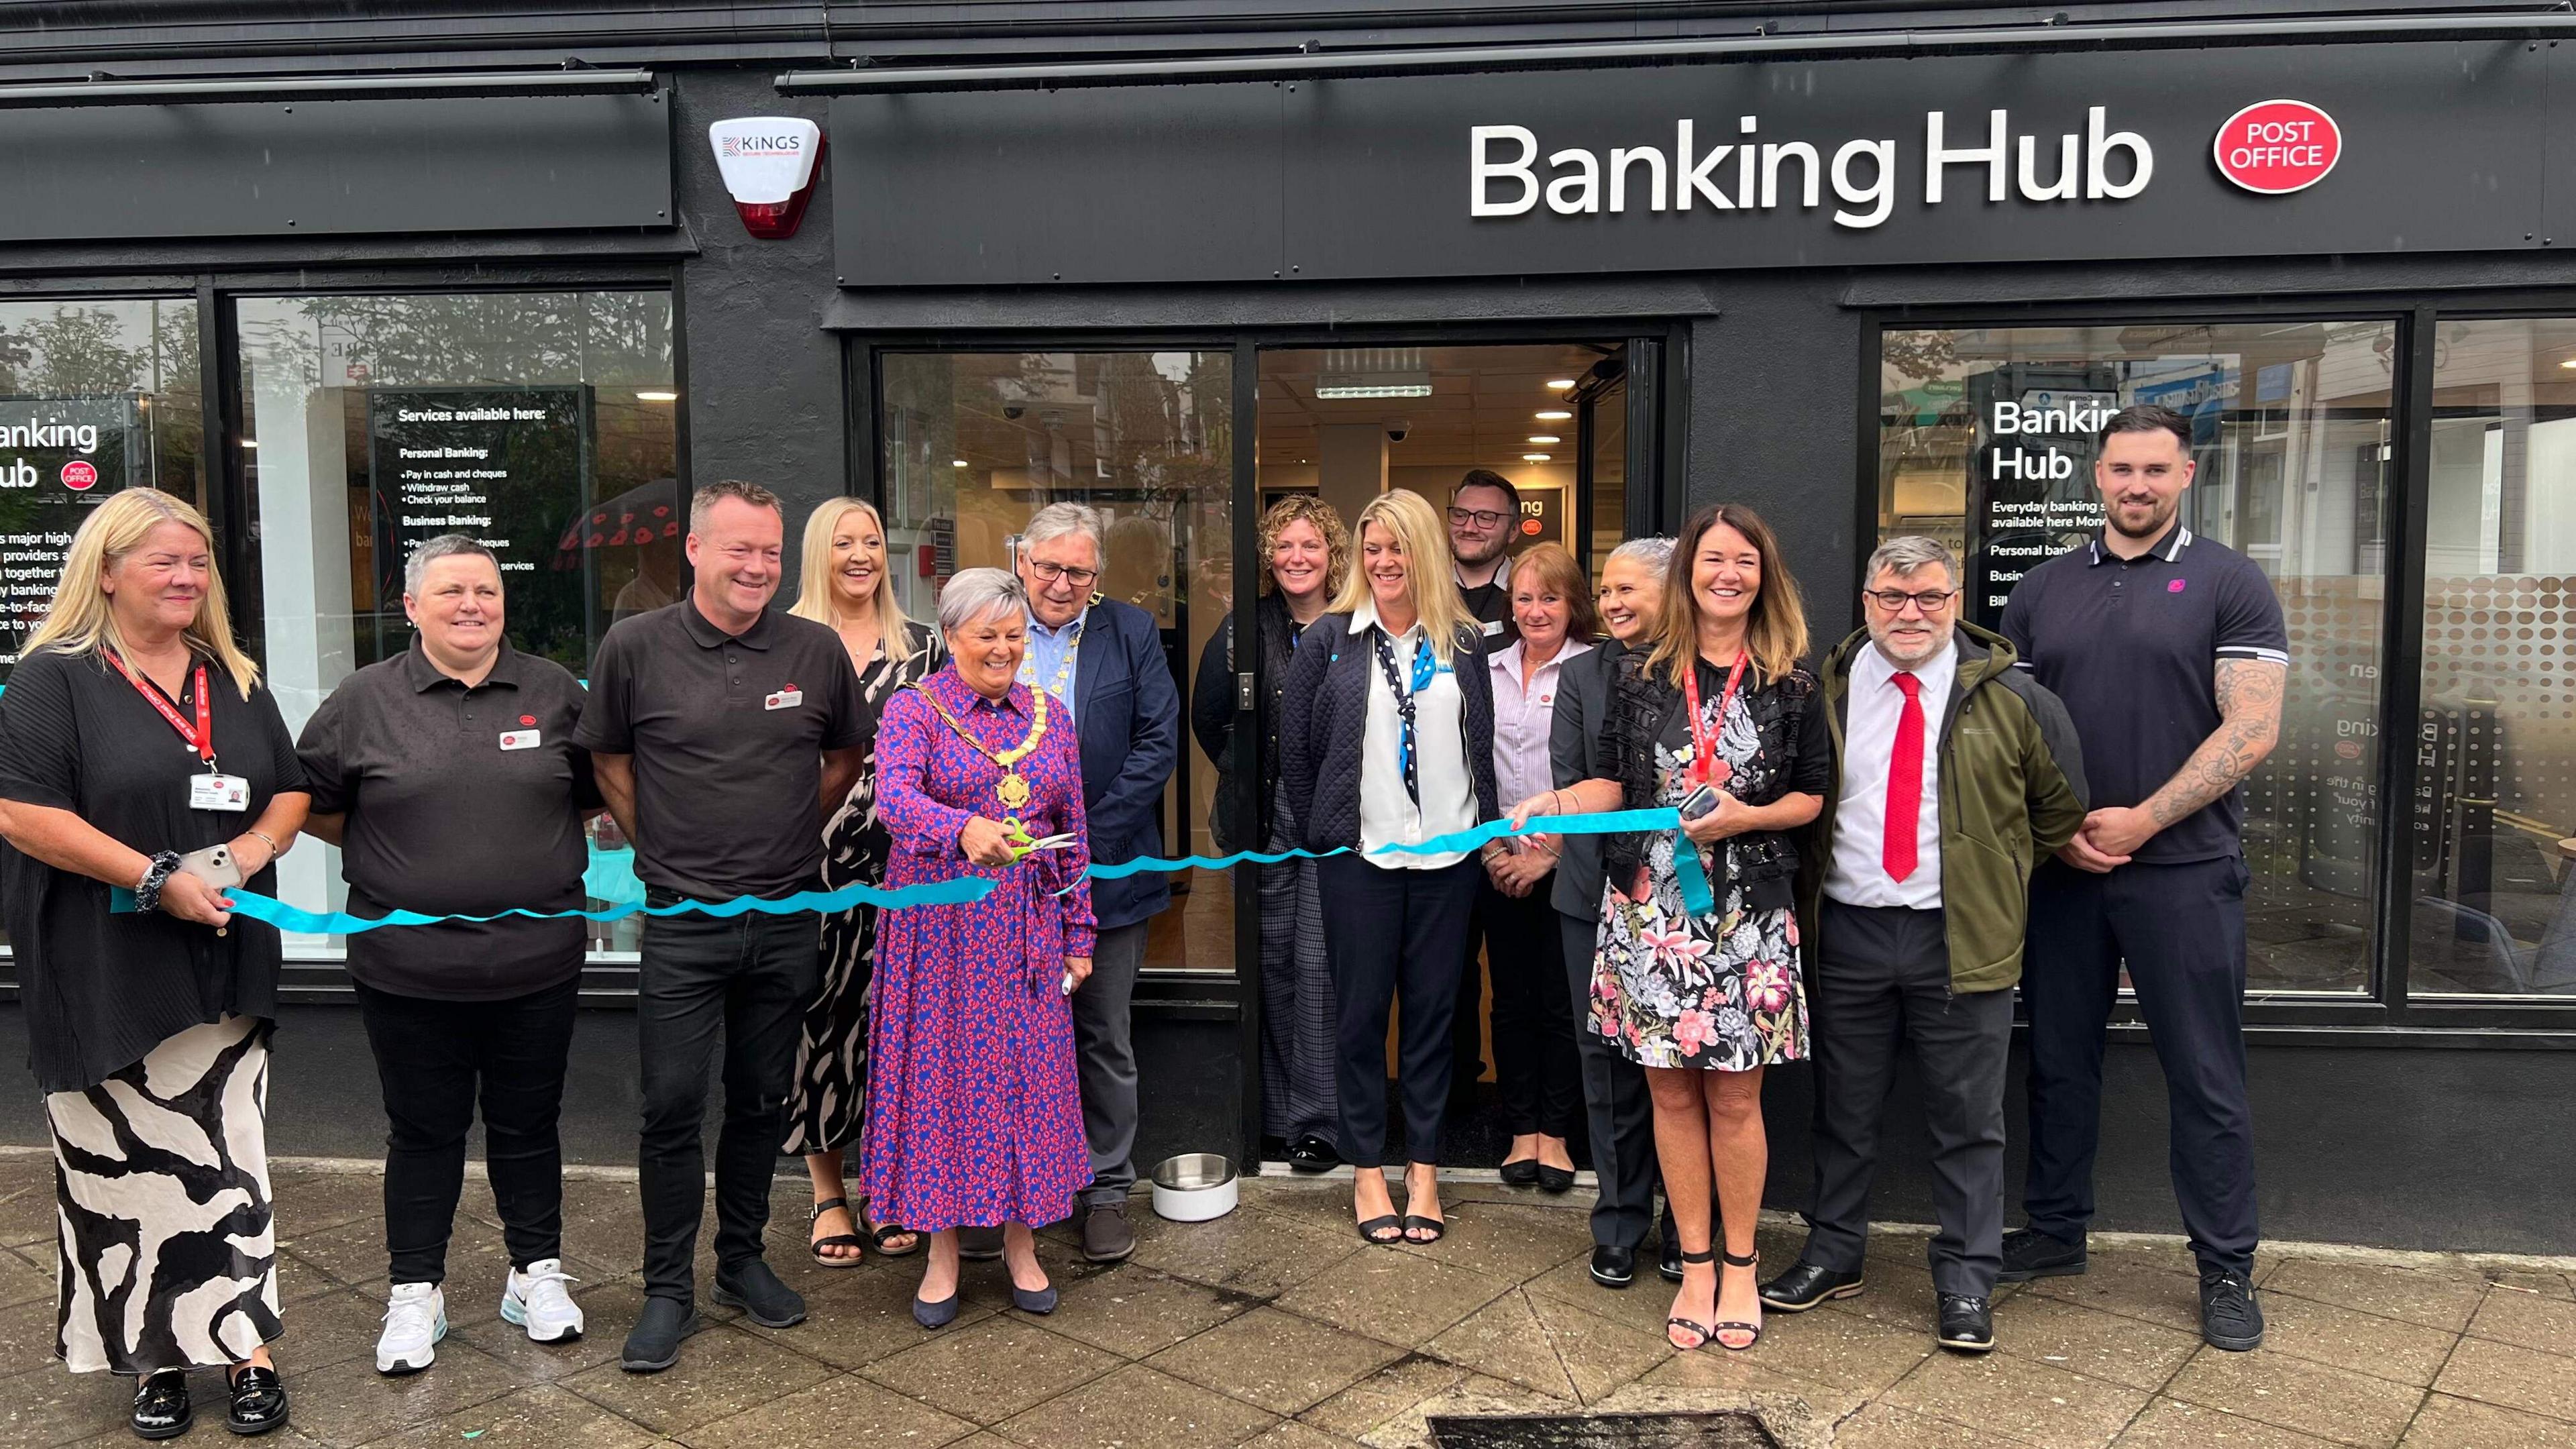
x,y
202,738
1706,767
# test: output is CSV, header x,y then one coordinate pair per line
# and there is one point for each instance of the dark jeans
x,y
1533,1019
1882,982
1105,1050
2180,929
1619,1115
436,1058
1394,935
749,977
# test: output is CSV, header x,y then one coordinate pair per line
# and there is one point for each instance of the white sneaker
x,y
415,1320
538,1302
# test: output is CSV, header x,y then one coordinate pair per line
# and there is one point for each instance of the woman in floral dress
x,y
1697,976
974,1113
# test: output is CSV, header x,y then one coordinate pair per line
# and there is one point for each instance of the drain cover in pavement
x,y
1733,1429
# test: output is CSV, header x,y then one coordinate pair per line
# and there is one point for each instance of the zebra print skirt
x,y
167,1255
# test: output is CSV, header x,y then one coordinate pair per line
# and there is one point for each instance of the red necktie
x,y
1904,781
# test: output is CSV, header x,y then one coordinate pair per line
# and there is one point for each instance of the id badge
x,y
218,792
520,739
787,698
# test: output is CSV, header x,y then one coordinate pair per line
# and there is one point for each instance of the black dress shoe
x,y
979,1245
1107,1236
1967,1324
1613,1267
654,1345
2230,1319
2030,1253
752,1287
1807,1285
1523,1173
1313,1154
259,1401
1668,1259
161,1408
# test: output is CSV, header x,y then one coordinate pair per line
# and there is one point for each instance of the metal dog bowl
x,y
1194,1187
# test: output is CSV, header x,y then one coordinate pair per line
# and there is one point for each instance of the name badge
x,y
520,739
787,698
1493,628
218,792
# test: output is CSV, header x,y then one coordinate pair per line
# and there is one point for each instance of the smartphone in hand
x,y
1701,801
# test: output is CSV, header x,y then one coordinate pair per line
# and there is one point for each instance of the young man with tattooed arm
x,y
2170,653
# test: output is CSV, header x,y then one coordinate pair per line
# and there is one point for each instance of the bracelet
x,y
147,891
274,849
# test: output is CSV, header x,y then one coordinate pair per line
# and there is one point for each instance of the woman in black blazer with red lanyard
x,y
1389,742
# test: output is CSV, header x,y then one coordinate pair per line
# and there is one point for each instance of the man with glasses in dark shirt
x,y
2171,655
1484,518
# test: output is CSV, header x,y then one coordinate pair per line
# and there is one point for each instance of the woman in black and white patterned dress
x,y
134,732
845,585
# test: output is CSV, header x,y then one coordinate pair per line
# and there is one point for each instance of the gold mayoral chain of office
x,y
1013,788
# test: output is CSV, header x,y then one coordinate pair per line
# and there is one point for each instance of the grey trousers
x,y
1104,1044
1618,1115
1882,980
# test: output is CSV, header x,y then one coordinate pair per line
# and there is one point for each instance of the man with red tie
x,y
1954,772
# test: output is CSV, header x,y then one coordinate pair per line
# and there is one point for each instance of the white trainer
x,y
415,1320
537,1301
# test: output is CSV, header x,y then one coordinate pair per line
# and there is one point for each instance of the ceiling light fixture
x,y
1350,390
649,394
1560,383
1552,415
1535,457
1545,438
956,462
2570,363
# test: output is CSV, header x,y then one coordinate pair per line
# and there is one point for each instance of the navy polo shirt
x,y
2132,646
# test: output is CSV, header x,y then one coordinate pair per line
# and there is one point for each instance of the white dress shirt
x,y
1523,721
1387,814
1857,874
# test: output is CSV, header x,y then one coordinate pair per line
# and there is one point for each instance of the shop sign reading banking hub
x,y
2093,157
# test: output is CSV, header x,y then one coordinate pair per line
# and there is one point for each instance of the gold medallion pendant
x,y
1013,791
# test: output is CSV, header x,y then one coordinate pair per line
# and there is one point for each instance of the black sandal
x,y
815,1246
1370,1229
1437,1227
1707,1334
1755,1329
880,1234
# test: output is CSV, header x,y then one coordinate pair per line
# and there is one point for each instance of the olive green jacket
x,y
2012,792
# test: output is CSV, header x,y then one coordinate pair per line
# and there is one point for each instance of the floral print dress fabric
x,y
1719,992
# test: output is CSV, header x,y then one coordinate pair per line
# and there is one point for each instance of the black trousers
x,y
748,977
1396,937
1467,1015
437,1059
1618,1112
2180,929
1533,1017
1881,982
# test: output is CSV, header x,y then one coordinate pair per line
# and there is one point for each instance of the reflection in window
x,y
976,442
1986,440
2495,800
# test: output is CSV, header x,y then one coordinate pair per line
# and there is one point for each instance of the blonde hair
x,y
1305,508
814,599
81,619
1775,634
1427,575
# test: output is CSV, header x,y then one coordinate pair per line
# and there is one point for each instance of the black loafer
x,y
1313,1154
1554,1180
654,1345
1807,1285
2230,1319
1523,1173
1613,1267
2030,1253
161,1407
754,1288
259,1401
1967,1324
1107,1236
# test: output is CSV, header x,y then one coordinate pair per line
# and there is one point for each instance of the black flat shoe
x,y
1313,1154
754,1288
1967,1325
1806,1285
1523,1173
2030,1253
259,1401
942,1313
1613,1267
654,1343
2230,1318
161,1407
1554,1179
1041,1302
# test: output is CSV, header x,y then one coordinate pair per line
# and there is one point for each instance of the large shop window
x,y
976,442
539,422
1986,441
2495,788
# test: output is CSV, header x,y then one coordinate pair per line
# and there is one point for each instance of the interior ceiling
x,y
1478,413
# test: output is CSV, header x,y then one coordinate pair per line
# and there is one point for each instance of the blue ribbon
x,y
960,891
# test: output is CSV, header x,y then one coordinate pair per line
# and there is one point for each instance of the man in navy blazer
x,y
1104,660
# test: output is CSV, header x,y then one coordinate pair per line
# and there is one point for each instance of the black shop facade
x,y
1868,286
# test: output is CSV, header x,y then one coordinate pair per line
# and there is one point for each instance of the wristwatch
x,y
147,891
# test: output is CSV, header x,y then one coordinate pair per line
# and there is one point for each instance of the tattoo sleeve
x,y
2249,707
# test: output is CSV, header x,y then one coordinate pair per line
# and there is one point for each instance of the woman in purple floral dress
x,y
974,1112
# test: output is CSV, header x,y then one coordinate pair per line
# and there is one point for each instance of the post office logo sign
x,y
2274,148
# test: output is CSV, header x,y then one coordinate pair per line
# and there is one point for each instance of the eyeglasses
x,y
1048,573
1481,517
1931,601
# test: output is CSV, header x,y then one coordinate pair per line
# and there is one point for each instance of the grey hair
x,y
973,593
1655,554
446,545
1909,553
1059,519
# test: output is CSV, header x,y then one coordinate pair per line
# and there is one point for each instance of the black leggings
x,y
1394,935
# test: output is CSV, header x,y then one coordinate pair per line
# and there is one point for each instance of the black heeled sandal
x,y
1747,1261
1707,1334
815,1246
